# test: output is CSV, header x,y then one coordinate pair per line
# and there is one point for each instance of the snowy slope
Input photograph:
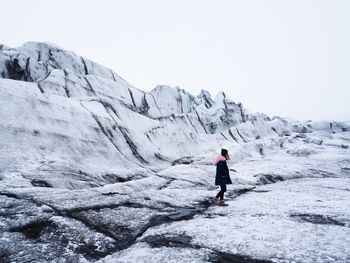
x,y
92,168
71,112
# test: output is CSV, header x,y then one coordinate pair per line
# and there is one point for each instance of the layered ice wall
x,y
63,111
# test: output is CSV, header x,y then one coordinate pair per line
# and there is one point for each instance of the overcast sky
x,y
286,58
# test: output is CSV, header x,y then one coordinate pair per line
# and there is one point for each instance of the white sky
x,y
286,58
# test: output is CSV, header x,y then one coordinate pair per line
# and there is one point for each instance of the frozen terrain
x,y
95,170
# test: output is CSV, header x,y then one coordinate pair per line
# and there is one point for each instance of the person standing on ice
x,y
222,176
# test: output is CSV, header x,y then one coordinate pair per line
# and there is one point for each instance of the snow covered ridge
x,y
61,72
62,110
58,95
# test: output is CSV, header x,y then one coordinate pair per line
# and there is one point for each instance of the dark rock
x,y
168,241
16,71
268,178
183,160
33,229
40,183
222,257
318,219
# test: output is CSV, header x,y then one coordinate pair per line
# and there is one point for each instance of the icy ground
x,y
95,170
282,208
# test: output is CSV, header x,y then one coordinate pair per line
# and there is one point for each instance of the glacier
x,y
93,169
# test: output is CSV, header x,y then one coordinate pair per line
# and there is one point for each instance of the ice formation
x,y
94,169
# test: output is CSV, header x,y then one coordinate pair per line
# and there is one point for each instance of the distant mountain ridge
x,y
47,64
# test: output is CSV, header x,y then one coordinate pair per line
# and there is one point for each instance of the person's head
x,y
224,153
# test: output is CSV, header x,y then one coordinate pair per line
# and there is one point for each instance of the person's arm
x,y
226,169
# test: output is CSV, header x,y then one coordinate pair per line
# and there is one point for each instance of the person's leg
x,y
221,193
215,199
222,202
223,189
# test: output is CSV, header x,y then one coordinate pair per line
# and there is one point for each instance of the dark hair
x,y
224,152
